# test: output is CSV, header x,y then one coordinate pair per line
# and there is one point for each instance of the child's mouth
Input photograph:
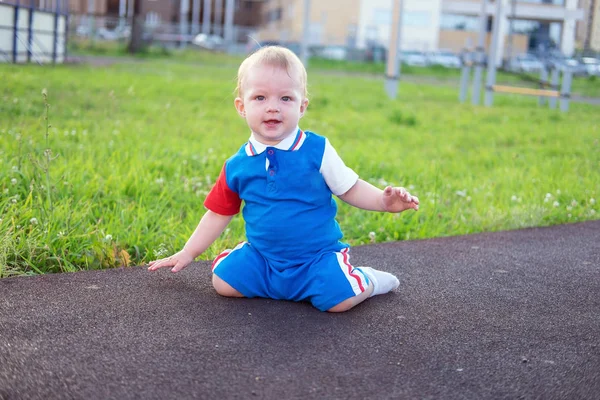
x,y
272,122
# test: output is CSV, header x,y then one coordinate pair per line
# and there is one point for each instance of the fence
x,y
29,34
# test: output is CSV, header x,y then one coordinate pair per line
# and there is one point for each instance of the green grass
x,y
136,146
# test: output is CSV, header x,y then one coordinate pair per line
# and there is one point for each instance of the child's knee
x,y
223,288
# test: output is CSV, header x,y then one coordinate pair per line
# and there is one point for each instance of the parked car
x,y
444,58
330,52
592,66
293,46
414,58
525,63
209,42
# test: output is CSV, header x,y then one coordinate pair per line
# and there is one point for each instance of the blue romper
x,y
293,250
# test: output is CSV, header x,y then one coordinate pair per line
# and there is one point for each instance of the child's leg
x,y
380,282
223,288
240,272
338,286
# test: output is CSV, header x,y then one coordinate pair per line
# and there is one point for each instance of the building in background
x,y
588,29
247,12
428,25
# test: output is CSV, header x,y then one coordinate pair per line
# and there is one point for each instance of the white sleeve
x,y
337,175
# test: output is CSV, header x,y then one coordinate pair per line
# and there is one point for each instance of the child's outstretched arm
x,y
208,230
368,197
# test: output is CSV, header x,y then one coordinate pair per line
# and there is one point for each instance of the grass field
x,y
120,175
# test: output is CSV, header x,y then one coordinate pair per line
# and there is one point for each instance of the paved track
x,y
492,316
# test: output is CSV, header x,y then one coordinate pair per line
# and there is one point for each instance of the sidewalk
x,y
488,316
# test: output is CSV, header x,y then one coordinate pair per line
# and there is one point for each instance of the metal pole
x,y
122,12
218,22
30,31
206,17
15,31
393,61
480,61
229,6
195,17
513,12
91,20
565,91
55,44
305,33
555,78
543,80
466,72
184,9
491,69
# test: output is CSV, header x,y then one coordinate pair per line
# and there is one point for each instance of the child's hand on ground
x,y
398,199
178,261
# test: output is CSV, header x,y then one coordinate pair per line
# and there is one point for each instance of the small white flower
x,y
557,191
461,193
548,196
514,198
556,204
469,198
372,236
592,212
60,234
13,181
592,201
13,200
33,221
160,181
569,208
108,237
574,203
15,168
411,187
546,199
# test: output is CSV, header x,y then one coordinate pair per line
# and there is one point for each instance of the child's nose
x,y
272,107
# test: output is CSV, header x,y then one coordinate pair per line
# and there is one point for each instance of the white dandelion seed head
x,y
33,221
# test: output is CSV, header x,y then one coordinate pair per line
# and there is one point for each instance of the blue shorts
x,y
325,281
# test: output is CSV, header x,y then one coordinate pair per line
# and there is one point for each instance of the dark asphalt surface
x,y
508,315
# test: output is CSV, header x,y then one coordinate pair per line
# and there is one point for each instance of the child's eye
x,y
260,98
286,98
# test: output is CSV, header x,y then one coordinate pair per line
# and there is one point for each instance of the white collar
x,y
292,142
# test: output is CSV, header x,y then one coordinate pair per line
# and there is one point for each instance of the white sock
x,y
383,282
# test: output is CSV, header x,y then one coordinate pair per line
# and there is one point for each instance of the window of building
x,y
274,14
457,22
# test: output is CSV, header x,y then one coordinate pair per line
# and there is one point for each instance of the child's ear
x,y
303,107
239,106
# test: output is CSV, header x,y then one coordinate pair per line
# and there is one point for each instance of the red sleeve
x,y
221,199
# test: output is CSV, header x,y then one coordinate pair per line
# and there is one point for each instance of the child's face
x,y
272,102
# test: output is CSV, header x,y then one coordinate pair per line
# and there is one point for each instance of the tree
x,y
137,28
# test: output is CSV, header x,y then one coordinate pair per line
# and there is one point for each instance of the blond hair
x,y
274,56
